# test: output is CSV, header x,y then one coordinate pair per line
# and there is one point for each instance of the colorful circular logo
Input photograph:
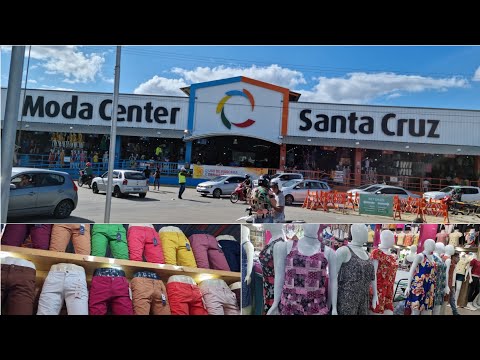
x,y
220,108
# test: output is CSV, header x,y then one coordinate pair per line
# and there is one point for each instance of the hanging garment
x,y
78,233
305,287
408,240
266,260
143,241
109,234
442,237
64,282
246,288
386,271
149,295
354,280
441,281
15,235
453,238
422,289
208,252
400,238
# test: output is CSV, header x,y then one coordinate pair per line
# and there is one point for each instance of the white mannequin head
x,y
359,234
413,249
245,233
310,230
387,239
449,250
428,246
440,248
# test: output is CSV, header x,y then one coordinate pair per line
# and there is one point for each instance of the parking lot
x,y
164,207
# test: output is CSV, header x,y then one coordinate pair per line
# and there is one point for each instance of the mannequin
x,y
185,296
413,254
219,299
247,267
440,278
453,238
267,260
308,247
385,265
470,238
400,237
460,271
449,270
474,280
423,264
442,237
355,274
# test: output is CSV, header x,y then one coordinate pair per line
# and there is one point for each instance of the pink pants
x,y
208,254
15,235
143,240
110,290
219,300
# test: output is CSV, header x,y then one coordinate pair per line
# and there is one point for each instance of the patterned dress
x,y
441,281
266,259
386,271
305,288
246,290
422,289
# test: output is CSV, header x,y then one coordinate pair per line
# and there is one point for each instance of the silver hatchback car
x,y
41,191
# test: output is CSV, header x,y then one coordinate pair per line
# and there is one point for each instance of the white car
x,y
361,188
124,182
296,191
282,178
388,190
469,193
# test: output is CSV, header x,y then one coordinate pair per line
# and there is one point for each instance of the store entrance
x,y
319,158
235,151
152,148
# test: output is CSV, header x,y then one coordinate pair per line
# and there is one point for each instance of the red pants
x,y
109,290
185,299
144,241
208,254
15,235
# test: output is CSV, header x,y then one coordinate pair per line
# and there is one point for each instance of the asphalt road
x,y
164,207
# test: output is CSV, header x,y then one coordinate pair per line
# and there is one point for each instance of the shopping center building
x,y
244,123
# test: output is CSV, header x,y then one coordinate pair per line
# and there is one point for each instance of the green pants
x,y
109,234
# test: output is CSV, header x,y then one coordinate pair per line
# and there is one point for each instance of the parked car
x,y
41,192
296,191
221,185
282,178
469,193
388,190
124,182
362,188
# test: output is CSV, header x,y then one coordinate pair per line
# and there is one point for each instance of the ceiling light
x,y
407,147
357,143
309,139
459,149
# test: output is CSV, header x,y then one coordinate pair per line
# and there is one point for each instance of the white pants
x,y
64,282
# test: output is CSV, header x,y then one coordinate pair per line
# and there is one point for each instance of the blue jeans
x,y
453,303
181,190
259,220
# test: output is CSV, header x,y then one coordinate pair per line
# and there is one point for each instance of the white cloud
x,y
476,76
161,86
68,61
167,86
33,67
361,87
50,87
32,81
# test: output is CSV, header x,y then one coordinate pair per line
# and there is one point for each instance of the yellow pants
x,y
177,249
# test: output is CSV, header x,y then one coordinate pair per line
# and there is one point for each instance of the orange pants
x,y
63,233
149,296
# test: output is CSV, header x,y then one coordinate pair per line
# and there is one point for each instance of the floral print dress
x,y
422,289
386,271
441,280
266,260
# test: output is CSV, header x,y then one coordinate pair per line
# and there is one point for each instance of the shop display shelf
x,y
464,249
44,259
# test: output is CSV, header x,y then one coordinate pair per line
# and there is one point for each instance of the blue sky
x,y
428,76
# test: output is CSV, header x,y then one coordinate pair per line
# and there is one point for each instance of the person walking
x,y
182,180
278,209
156,182
147,173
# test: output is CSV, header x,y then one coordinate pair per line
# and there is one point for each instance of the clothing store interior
x,y
370,269
120,269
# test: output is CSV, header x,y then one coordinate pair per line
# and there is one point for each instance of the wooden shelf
x,y
44,259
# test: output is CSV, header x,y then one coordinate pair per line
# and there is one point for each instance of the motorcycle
x,y
238,194
85,179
